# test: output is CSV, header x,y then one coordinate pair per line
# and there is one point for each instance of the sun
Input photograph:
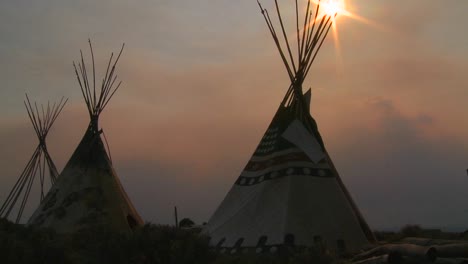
x,y
333,8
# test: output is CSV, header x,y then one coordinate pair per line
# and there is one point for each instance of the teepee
x,y
289,193
88,192
40,163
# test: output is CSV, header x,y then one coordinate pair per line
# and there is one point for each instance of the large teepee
x,y
289,192
88,191
40,164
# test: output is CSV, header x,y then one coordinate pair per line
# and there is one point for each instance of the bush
x,y
20,244
411,231
306,256
148,244
186,223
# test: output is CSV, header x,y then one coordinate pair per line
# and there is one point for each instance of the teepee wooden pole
x,y
285,37
176,217
42,118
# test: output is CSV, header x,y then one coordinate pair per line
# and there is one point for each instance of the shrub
x,y
148,244
411,230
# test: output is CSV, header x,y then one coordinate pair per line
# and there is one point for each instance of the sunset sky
x,y
202,80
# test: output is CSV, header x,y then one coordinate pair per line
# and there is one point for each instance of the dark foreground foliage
x,y
309,256
19,244
150,244
418,231
156,244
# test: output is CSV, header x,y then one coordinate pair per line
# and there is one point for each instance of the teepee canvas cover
x,y
88,191
289,193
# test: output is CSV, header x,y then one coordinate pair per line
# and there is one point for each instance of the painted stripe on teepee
x,y
285,172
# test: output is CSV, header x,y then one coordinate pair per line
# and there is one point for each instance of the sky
x,y
202,80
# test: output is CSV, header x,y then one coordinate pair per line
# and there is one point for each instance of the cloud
x,y
397,172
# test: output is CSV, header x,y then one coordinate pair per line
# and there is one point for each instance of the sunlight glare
x,y
333,8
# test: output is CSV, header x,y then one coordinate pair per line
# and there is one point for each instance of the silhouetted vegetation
x,y
418,231
19,244
186,223
156,244
149,244
283,256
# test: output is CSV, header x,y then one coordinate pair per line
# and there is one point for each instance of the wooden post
x,y
176,217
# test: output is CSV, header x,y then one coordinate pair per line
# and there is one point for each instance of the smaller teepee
x,y
40,164
88,192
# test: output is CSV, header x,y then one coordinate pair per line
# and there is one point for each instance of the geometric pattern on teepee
x,y
276,156
290,193
40,164
88,192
